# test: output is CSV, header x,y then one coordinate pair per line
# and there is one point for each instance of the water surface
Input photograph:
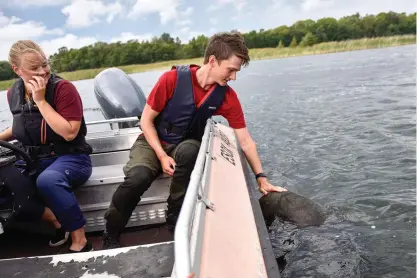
x,y
339,129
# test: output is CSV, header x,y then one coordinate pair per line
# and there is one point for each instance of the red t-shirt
x,y
67,101
163,91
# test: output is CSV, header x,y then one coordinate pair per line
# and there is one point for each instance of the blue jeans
x,y
57,179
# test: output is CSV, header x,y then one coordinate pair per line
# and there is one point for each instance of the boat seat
x,y
110,154
104,181
95,196
106,174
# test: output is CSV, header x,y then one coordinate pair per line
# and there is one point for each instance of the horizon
x,y
78,23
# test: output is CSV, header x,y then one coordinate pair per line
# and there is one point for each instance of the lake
x,y
339,129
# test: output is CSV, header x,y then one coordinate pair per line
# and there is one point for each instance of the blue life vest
x,y
181,119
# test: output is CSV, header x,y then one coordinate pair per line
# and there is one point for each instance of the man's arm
x,y
147,125
249,149
149,130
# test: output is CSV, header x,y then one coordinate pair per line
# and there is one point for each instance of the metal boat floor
x,y
19,243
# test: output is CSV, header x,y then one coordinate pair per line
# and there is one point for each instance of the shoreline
x,y
255,54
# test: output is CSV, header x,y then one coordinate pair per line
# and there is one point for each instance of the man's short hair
x,y
224,45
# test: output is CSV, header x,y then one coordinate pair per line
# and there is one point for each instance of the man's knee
x,y
187,152
136,182
127,196
142,154
139,176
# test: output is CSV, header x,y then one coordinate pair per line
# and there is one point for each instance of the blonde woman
x,y
48,120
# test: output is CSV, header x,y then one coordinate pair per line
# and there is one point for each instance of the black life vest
x,y
30,128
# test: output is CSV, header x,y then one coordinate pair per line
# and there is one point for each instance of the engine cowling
x,y
118,95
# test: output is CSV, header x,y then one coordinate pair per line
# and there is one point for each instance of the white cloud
x,y
83,13
4,20
243,30
13,29
185,30
239,4
184,22
69,41
213,7
184,19
213,21
186,34
277,4
72,41
38,3
166,9
311,5
188,11
127,36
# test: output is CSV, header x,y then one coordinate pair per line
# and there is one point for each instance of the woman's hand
x,y
37,87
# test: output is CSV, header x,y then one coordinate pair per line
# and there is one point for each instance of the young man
x,y
173,123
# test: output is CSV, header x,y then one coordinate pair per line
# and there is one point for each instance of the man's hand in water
x,y
265,187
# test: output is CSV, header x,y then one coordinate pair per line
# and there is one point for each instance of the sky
x,y
77,23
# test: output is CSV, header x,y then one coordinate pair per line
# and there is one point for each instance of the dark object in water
x,y
292,207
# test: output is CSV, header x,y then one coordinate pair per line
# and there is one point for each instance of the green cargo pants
x,y
141,170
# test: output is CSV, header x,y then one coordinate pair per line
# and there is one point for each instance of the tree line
x,y
304,33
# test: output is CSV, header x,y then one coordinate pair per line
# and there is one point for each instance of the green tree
x,y
6,71
368,25
293,42
165,47
327,29
350,27
302,27
308,40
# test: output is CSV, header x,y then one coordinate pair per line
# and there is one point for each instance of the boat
x,y
220,230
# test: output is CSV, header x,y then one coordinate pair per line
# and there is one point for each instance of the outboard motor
x,y
119,96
